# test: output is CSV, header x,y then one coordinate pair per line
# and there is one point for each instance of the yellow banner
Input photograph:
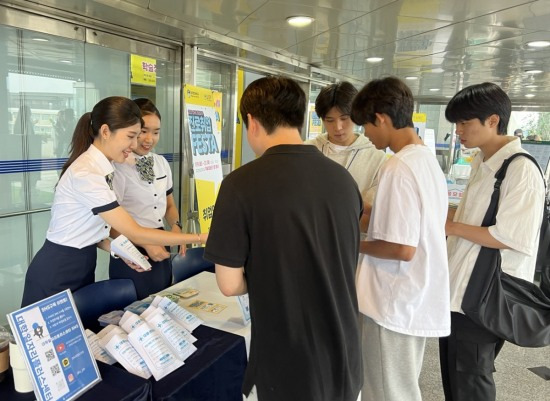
x,y
207,192
144,70
217,99
203,108
315,123
198,96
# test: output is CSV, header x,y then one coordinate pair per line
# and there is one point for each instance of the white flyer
x,y
121,246
130,321
181,315
120,348
172,333
158,356
99,353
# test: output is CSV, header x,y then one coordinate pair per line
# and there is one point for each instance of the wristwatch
x,y
177,223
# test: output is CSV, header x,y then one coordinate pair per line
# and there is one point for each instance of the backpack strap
x,y
491,214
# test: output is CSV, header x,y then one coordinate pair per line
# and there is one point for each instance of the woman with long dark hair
x,y
85,205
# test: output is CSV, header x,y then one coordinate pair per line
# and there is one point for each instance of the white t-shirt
x,y
82,193
410,208
518,218
145,201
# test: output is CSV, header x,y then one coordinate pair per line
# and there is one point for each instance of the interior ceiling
x,y
445,44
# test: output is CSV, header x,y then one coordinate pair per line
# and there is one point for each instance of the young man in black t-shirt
x,y
286,230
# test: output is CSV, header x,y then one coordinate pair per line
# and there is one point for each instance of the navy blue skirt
x,y
56,268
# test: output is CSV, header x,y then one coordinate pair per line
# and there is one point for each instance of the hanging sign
x,y
143,70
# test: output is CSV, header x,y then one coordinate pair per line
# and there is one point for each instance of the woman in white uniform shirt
x,y
143,186
85,206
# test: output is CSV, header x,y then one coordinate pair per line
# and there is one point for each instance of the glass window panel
x,y
107,74
13,264
39,227
435,119
220,77
12,197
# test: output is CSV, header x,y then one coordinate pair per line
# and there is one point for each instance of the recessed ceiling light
x,y
448,96
539,43
530,95
411,78
438,70
299,21
66,61
531,86
374,59
41,39
434,89
533,71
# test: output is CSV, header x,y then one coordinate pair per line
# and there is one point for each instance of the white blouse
x,y
82,193
145,201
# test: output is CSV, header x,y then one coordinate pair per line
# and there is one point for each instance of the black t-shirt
x,y
291,218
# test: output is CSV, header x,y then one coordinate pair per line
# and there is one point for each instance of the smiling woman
x,y
85,206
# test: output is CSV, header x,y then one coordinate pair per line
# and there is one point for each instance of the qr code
x,y
55,369
49,355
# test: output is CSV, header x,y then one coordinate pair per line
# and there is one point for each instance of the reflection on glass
x,y
220,77
13,264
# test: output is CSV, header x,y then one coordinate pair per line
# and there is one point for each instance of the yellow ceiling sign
x,y
144,70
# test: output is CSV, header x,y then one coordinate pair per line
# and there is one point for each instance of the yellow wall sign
x,y
144,70
419,117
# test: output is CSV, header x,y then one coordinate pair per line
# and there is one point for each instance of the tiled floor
x,y
513,379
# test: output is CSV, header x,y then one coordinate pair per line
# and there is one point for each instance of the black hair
x,y
389,96
275,101
337,95
115,111
480,101
147,107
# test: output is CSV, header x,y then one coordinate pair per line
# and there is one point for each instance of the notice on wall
x,y
55,348
143,70
203,110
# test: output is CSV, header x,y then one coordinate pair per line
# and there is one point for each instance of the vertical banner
x,y
203,109
315,123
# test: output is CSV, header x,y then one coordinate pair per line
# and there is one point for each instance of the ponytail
x,y
115,111
83,137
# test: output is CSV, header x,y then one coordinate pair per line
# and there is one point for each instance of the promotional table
x,y
213,373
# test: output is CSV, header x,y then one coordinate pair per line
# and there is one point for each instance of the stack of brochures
x,y
154,342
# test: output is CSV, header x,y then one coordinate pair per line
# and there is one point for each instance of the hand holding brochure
x,y
121,246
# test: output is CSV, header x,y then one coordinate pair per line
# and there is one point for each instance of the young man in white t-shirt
x,y
402,281
481,113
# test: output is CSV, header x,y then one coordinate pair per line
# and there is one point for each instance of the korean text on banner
x,y
144,70
203,109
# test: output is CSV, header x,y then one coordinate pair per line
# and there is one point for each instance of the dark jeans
x,y
467,359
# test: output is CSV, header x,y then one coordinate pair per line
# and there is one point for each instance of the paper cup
x,y
21,378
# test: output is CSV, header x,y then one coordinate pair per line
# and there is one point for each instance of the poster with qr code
x,y
55,348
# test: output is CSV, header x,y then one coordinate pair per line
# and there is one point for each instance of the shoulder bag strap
x,y
491,214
